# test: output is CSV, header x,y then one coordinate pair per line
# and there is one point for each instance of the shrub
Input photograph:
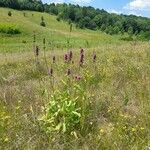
x,y
9,13
43,24
144,36
127,38
24,14
9,29
58,19
24,41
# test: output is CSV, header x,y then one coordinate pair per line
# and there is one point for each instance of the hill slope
x,y
57,33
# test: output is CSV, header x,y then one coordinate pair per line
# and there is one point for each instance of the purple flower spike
x,y
66,57
81,51
70,55
78,78
81,59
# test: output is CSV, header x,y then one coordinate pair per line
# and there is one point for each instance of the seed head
x,y
54,59
37,51
81,59
81,51
34,38
66,57
44,41
51,72
78,78
69,72
70,55
94,58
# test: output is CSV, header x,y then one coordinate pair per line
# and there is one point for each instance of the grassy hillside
x,y
91,99
56,33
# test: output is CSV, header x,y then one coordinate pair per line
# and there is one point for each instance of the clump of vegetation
x,y
10,13
58,19
71,27
24,41
144,35
9,29
62,113
24,14
42,22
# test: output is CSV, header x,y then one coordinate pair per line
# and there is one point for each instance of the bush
x,y
24,41
144,36
127,38
43,24
9,29
58,19
9,13
24,14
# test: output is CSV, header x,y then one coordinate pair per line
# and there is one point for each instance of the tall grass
x,y
101,104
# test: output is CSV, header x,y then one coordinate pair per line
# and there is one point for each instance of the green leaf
x,y
76,113
58,127
64,127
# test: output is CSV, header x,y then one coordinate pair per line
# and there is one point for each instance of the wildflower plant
x,y
62,113
70,55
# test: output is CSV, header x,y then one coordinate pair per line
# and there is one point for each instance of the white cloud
x,y
138,5
82,1
56,1
114,11
134,13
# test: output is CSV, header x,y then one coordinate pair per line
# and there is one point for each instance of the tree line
x,y
86,17
35,5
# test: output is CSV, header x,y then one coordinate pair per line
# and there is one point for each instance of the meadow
x,y
80,90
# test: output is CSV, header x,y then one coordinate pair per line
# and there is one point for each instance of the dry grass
x,y
114,104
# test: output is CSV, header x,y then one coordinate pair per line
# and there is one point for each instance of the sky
x,y
135,7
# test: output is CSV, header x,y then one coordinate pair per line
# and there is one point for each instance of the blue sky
x,y
136,7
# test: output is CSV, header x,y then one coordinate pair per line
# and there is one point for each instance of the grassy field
x,y
98,99
57,33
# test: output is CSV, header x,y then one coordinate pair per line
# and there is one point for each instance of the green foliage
x,y
58,19
88,17
43,22
9,13
24,14
144,35
130,31
71,26
127,38
9,29
23,4
62,113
